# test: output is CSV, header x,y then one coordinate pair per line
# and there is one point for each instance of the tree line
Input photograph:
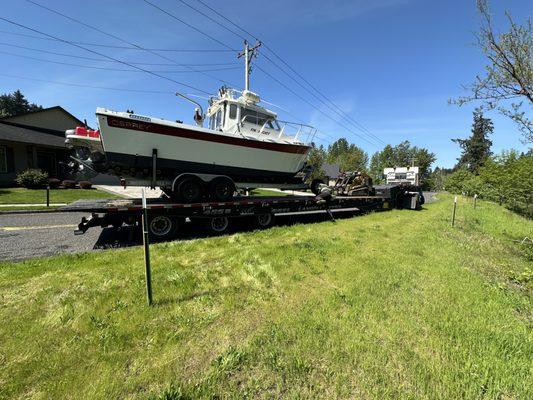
x,y
350,157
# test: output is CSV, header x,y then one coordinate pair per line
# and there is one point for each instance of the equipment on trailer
x,y
353,183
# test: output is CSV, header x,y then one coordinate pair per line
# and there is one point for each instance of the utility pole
x,y
248,53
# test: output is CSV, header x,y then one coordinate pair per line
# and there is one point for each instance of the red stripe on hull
x,y
124,123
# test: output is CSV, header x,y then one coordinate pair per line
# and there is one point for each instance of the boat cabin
x,y
244,117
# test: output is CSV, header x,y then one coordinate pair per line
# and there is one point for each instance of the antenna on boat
x,y
199,115
248,53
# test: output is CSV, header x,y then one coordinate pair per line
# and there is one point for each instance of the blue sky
x,y
391,65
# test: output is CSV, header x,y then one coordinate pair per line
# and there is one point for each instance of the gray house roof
x,y
32,135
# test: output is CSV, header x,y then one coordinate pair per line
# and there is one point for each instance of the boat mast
x,y
248,54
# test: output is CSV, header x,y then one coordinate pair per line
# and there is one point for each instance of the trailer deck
x,y
166,216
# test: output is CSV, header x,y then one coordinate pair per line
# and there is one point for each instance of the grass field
x,y
36,196
388,305
267,192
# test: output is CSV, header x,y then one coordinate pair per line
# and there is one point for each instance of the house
x,y
34,140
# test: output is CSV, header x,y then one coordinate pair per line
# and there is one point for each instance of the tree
x,y
348,156
476,149
15,103
438,177
317,157
508,81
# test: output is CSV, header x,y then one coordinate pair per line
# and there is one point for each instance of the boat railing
x,y
289,131
296,131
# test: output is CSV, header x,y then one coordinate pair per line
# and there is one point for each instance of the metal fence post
x,y
48,195
146,243
454,208
475,201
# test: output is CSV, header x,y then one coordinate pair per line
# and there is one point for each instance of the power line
x,y
103,55
111,68
312,105
334,109
213,20
223,44
357,124
109,46
88,86
185,23
143,91
104,60
354,122
118,38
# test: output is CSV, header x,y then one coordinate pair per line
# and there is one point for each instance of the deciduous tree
x,y
507,84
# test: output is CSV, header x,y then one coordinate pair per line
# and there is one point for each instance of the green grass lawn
x,y
384,306
268,193
35,196
26,208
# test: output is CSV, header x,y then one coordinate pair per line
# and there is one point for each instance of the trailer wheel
x,y
264,221
189,190
218,225
221,189
163,227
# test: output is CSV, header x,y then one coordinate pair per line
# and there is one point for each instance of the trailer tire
x,y
264,221
218,225
163,227
189,190
221,189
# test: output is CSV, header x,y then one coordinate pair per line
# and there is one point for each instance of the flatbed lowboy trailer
x,y
167,216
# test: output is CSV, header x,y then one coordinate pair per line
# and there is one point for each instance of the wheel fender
x,y
206,178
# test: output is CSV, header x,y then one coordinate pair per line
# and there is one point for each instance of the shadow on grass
x,y
128,236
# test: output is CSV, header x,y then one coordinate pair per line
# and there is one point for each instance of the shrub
x,y
32,179
85,184
68,184
54,183
504,179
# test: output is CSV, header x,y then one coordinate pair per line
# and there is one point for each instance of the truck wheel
x,y
162,227
264,221
189,190
221,189
218,225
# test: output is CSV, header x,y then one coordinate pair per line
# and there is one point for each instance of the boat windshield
x,y
258,118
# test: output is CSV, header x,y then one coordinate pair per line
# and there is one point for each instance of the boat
x,y
244,146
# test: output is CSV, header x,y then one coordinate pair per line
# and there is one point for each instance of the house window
x,y
3,159
46,161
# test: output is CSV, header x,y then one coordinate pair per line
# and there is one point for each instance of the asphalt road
x,y
42,234
31,235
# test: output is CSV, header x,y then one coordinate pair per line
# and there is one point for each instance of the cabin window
x,y
219,119
254,117
3,159
233,111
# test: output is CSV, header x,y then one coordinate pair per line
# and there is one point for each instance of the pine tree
x,y
15,103
476,149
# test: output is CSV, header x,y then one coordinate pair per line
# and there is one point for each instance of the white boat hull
x,y
131,141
